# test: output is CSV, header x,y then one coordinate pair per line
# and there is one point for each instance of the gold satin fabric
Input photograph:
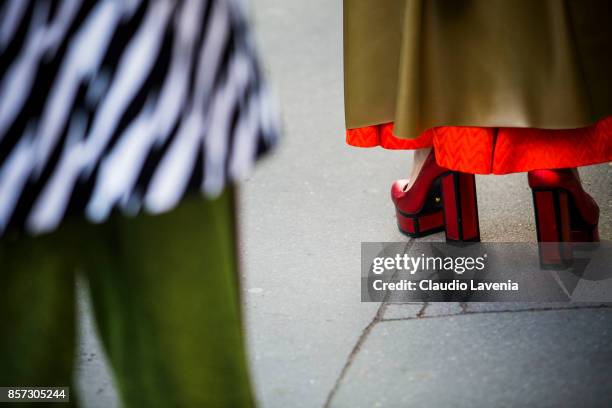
x,y
498,63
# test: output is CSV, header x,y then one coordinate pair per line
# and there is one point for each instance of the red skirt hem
x,y
487,150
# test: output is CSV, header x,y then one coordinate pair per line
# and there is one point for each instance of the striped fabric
x,y
124,105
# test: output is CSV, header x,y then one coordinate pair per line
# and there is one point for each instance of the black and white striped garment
x,y
124,105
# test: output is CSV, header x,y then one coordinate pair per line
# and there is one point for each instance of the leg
x,y
37,312
165,296
418,160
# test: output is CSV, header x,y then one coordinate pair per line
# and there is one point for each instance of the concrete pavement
x,y
304,214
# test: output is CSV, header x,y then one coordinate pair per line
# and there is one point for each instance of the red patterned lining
x,y
483,150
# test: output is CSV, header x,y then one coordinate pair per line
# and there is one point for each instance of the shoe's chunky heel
x,y
552,215
580,230
460,207
565,215
429,220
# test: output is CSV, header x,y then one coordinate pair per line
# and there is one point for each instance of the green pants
x,y
165,297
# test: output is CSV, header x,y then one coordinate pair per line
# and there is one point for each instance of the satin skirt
x,y
494,86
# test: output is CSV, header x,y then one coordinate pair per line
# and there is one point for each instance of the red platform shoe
x,y
564,213
438,200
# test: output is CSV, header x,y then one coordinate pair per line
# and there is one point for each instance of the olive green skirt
x,y
165,297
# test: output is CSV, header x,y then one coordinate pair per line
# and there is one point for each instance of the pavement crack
x,y
362,338
468,313
421,313
353,354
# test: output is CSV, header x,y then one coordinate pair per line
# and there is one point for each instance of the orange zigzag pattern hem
x,y
486,150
